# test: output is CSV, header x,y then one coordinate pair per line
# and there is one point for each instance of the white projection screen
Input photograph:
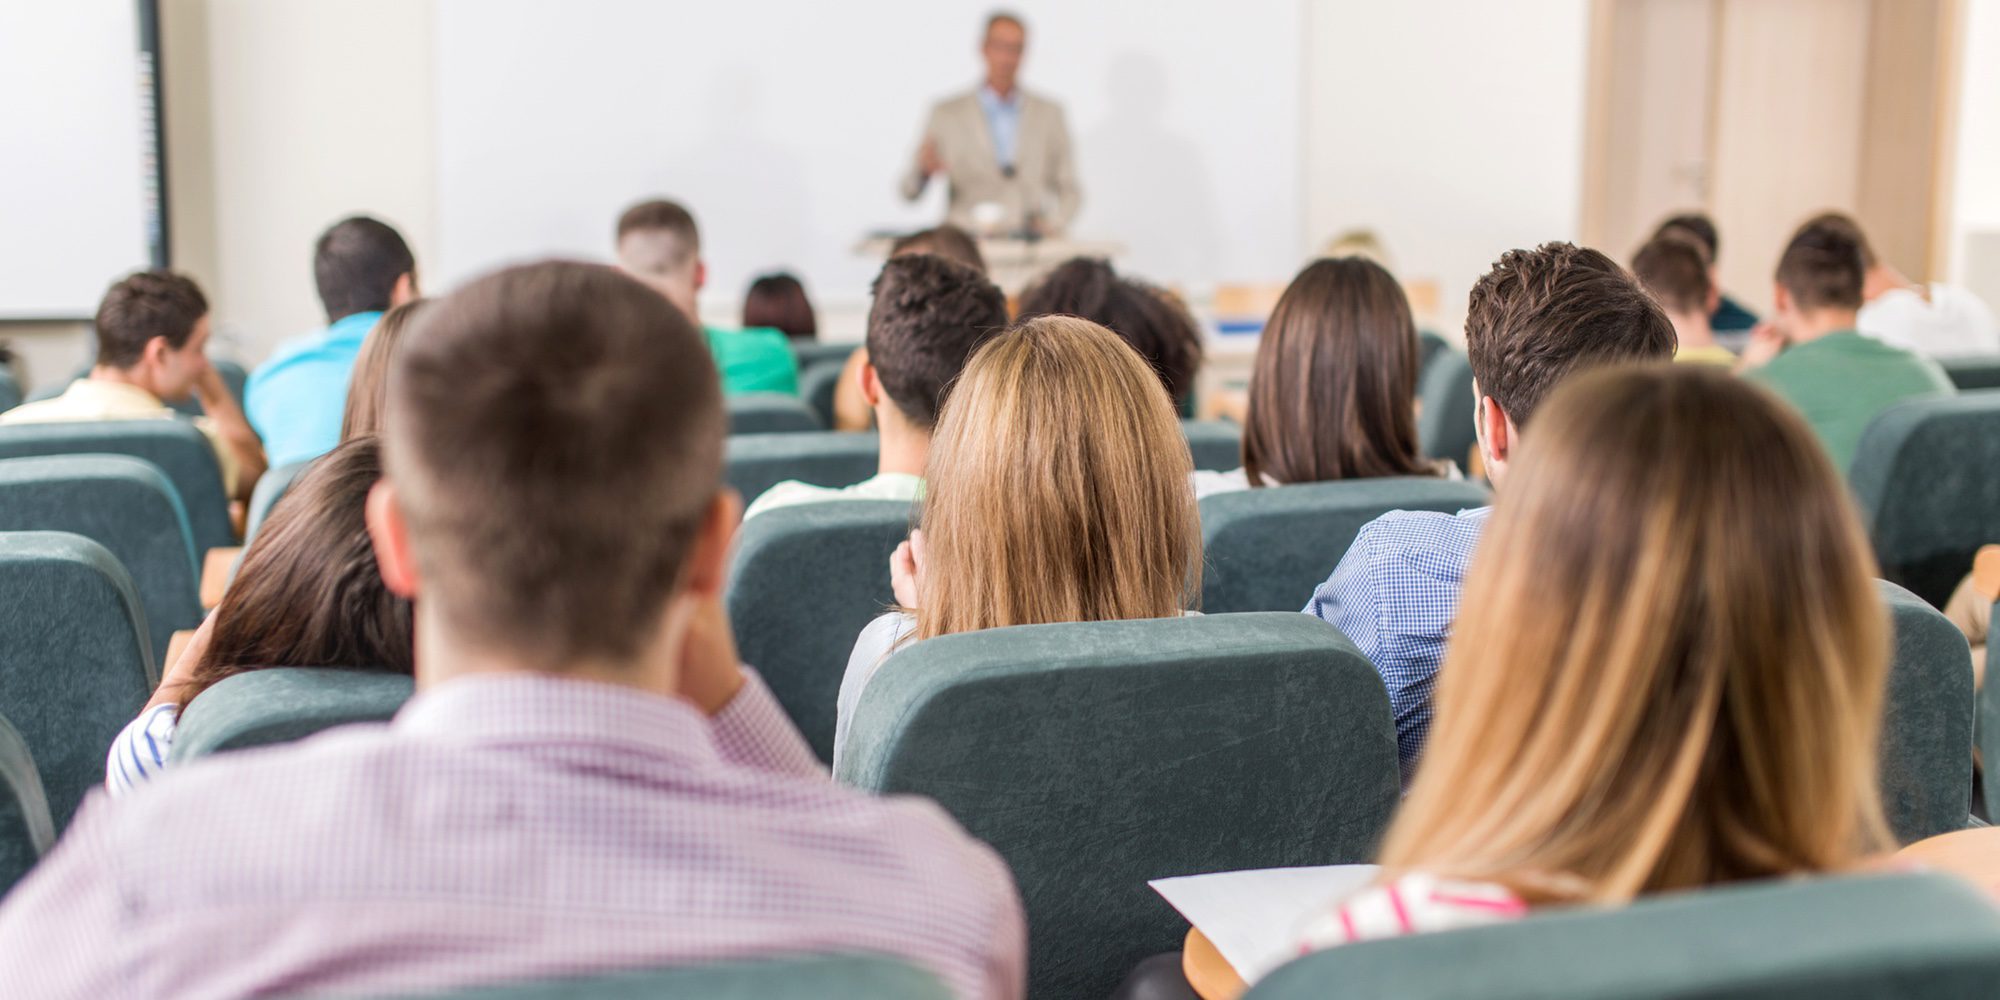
x,y
784,126
78,185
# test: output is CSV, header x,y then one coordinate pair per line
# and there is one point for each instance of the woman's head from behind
x,y
1668,664
308,593
1155,324
1334,391
368,388
779,301
1057,488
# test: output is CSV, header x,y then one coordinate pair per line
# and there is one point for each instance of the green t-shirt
x,y
759,359
1843,381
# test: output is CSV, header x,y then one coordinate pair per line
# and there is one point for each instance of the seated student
x,y
152,346
851,411
1729,318
657,243
296,398
1623,711
778,301
928,316
1536,318
587,779
1335,386
1935,320
369,392
1673,268
1155,324
1057,492
946,241
307,595
1838,378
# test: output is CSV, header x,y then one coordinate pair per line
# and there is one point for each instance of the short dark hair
x,y
143,306
945,241
1541,315
661,215
554,436
1156,326
1846,224
929,315
779,301
1824,266
1674,268
1696,226
356,264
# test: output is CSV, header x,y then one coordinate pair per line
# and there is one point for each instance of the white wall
x,y
1975,241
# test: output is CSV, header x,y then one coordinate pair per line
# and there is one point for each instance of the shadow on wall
x,y
747,190
1146,186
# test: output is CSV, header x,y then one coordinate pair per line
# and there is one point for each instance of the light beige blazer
x,y
1044,178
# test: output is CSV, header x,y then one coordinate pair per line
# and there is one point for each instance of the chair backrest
x,y
1977,371
281,704
818,385
1217,445
1843,938
10,389
1429,346
125,505
74,663
180,451
816,352
1096,756
1444,425
1986,731
756,462
1927,722
271,488
810,977
1266,549
1927,474
805,581
771,413
26,828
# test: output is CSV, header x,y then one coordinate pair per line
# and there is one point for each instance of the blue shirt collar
x,y
991,101
353,327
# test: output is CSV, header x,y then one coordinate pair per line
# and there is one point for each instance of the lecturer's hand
x,y
928,159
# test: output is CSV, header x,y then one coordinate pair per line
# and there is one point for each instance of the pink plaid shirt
x,y
503,827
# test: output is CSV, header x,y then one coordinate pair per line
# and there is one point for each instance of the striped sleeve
x,y
140,751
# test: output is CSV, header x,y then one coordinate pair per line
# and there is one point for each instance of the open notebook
x,y
1253,917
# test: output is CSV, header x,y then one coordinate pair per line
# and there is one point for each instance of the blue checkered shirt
x,y
1394,594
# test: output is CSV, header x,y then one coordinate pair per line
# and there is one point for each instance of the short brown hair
x,y
555,439
1156,326
661,215
779,301
1696,226
1824,266
143,306
1674,268
356,265
1843,223
1540,315
928,316
368,387
947,241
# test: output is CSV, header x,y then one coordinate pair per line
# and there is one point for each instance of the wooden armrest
x,y
1207,971
176,645
215,570
1986,571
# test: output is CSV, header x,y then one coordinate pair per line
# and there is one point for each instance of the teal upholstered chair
x,y
818,352
1927,722
818,384
1430,347
1444,425
127,506
10,389
804,583
1851,938
180,451
813,977
1097,756
1927,474
771,413
74,662
1977,371
756,462
271,488
26,828
282,704
1266,549
1987,734
1216,445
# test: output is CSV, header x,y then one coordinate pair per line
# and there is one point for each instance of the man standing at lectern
x,y
1000,146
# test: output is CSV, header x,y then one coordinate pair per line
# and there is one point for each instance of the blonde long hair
x,y
1057,488
1667,670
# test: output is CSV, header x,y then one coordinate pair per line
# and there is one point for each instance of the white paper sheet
x,y
1253,917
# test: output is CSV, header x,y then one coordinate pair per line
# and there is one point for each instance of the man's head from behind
x,y
930,314
1542,315
1695,226
1821,275
152,329
362,265
553,457
946,241
1675,269
658,244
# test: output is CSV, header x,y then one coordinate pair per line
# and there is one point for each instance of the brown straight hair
x,y
1334,393
1668,667
368,390
1825,266
1057,489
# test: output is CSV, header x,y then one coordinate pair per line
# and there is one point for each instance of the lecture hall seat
x,y
1857,937
819,384
816,352
811,977
770,413
1096,756
271,488
754,463
1927,476
1214,445
180,451
1927,721
10,389
1445,420
282,704
1973,372
26,828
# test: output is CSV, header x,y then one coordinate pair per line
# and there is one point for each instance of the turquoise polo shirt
x,y
758,359
296,398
